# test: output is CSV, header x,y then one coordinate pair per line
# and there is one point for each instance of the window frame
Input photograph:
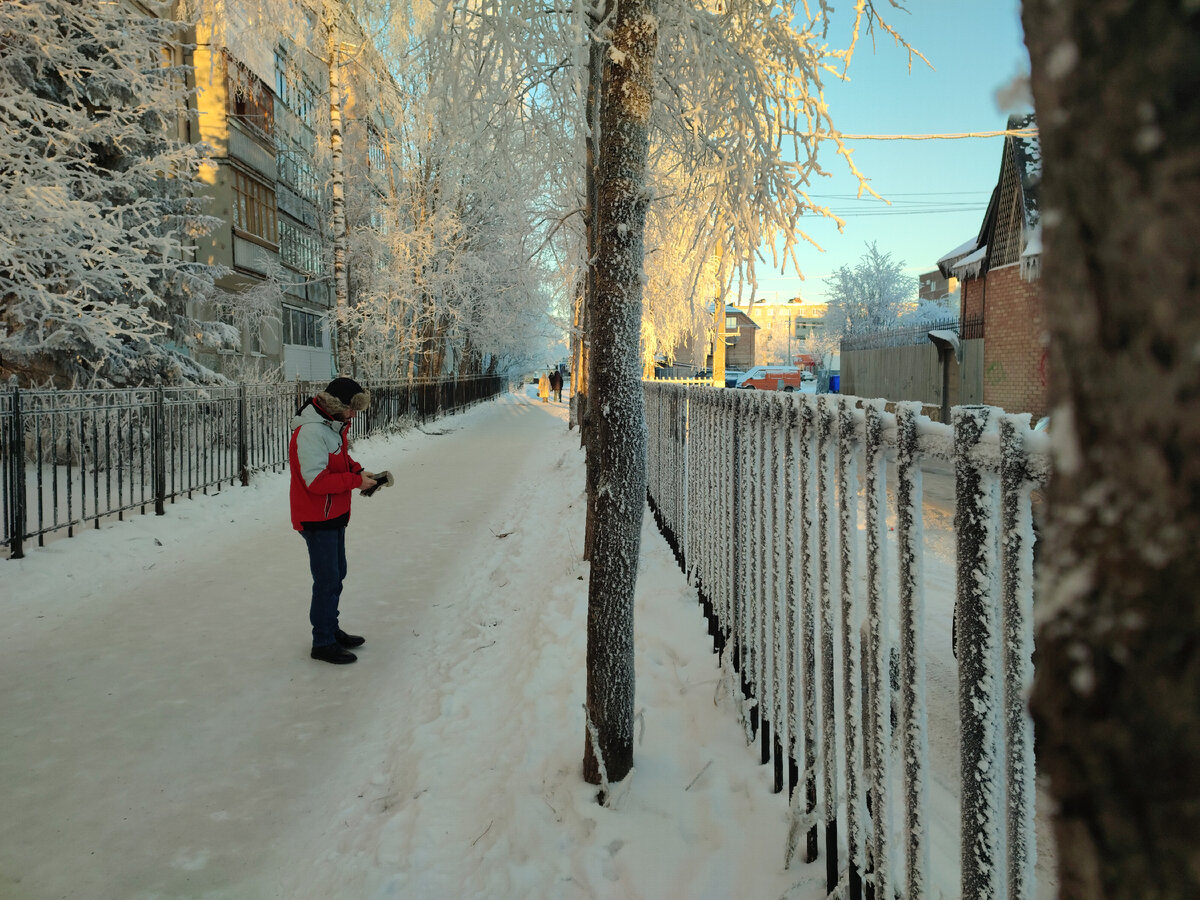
x,y
305,324
254,205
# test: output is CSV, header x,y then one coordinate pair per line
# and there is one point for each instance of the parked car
x,y
732,376
771,378
807,376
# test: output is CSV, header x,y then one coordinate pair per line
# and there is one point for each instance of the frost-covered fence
x,y
759,495
73,458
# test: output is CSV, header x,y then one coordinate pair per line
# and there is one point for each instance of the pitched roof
x,y
972,258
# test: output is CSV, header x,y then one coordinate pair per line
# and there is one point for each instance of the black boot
x,y
349,640
333,653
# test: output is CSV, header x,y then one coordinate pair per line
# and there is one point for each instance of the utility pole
x,y
718,354
718,373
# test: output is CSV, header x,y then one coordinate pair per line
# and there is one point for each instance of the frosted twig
x,y
698,774
799,825
485,831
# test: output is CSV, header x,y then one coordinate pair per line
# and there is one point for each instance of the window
x,y
294,90
301,327
296,171
731,325
250,101
300,248
254,207
375,156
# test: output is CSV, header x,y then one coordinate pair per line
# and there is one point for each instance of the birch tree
x,y
96,196
1118,665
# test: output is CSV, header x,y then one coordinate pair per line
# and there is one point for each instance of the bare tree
x,y
1118,669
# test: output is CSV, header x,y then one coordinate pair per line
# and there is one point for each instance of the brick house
x,y
739,340
1000,286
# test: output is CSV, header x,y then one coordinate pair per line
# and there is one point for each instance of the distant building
x,y
740,333
795,318
936,287
262,104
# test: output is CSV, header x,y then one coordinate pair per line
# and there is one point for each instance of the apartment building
x,y
263,106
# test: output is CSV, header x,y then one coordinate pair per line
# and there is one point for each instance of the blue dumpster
x,y
835,382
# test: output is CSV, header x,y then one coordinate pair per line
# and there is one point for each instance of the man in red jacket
x,y
323,475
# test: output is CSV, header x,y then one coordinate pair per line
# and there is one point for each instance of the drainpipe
x,y
947,343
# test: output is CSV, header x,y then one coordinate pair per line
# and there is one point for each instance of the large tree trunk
x,y
617,454
1118,667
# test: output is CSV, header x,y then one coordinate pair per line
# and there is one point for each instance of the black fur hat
x,y
342,394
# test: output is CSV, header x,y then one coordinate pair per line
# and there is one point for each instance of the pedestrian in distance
x,y
556,384
544,387
323,477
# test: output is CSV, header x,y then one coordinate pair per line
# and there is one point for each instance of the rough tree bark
x,y
617,455
1118,669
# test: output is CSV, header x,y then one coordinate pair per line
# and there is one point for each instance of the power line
x,y
852,214
1007,132
908,194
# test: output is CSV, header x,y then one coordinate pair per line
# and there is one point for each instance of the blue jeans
x,y
327,560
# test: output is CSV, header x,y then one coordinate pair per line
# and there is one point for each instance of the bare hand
x,y
368,481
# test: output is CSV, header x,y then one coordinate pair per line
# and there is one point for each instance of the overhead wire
x,y
1005,132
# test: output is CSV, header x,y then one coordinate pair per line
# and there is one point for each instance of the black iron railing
x,y
71,459
909,335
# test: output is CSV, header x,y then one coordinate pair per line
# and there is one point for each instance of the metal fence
x,y
907,335
758,493
74,458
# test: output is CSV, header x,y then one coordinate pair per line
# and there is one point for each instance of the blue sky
x,y
939,188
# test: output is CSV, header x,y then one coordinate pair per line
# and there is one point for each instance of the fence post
x,y
847,476
826,447
877,744
1016,627
913,728
974,614
243,449
809,510
159,451
17,453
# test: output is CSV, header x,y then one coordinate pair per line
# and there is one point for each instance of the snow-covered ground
x,y
165,734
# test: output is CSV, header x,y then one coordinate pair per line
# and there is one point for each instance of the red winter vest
x,y
323,474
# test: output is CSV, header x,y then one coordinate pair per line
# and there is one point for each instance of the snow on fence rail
x,y
70,458
757,492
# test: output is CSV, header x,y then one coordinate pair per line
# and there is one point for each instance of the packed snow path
x,y
165,734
